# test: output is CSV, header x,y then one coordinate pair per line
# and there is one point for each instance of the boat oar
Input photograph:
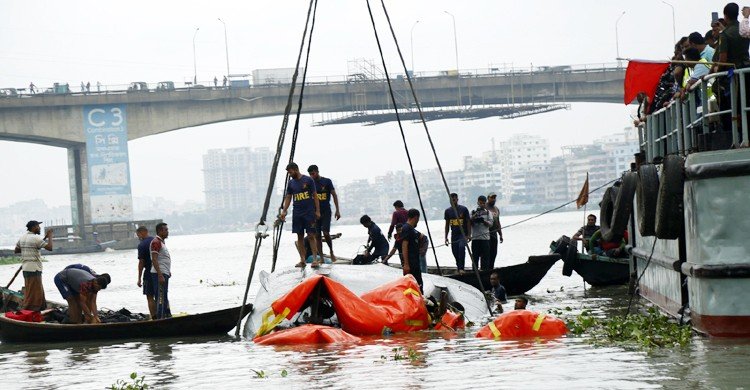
x,y
14,277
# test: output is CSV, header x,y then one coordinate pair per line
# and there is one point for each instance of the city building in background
x,y
236,179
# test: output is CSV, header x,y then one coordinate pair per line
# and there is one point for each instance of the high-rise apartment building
x,y
236,179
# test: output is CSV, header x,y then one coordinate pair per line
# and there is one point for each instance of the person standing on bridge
x,y
224,82
32,89
301,188
216,82
29,246
324,188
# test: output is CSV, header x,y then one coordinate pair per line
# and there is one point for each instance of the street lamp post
x,y
617,40
195,63
458,73
674,34
412,46
226,44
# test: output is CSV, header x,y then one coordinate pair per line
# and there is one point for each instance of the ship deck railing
x,y
675,129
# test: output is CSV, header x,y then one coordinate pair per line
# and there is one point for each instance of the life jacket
x,y
24,315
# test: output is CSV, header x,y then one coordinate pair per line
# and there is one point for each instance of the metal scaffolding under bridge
x,y
508,111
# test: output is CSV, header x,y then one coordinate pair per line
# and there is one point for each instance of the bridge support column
x,y
80,202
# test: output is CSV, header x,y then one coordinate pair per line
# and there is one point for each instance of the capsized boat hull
x,y
360,279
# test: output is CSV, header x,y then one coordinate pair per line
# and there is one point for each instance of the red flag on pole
x,y
643,76
583,197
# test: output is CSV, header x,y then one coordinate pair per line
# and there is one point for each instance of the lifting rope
x,y
475,266
403,136
261,228
279,224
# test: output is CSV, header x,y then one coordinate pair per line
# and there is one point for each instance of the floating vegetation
x,y
211,283
410,354
262,374
648,330
135,383
13,260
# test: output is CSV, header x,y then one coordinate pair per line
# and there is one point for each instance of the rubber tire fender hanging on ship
x,y
669,207
647,195
569,260
607,209
622,208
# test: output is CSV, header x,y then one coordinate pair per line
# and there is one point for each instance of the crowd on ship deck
x,y
724,47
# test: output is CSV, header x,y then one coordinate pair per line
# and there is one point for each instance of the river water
x,y
209,273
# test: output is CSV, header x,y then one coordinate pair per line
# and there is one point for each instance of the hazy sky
x,y
116,43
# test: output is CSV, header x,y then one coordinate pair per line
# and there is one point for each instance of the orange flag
x,y
583,197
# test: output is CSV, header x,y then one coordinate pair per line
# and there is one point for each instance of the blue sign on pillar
x,y
107,157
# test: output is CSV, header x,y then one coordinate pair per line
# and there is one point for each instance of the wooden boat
x,y
517,279
602,271
595,270
215,322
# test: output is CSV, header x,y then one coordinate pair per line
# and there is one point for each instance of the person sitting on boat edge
x,y
521,303
326,191
396,246
410,247
306,210
79,288
144,268
398,217
614,248
377,245
497,291
586,231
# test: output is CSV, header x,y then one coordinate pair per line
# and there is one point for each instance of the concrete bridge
x,y
79,121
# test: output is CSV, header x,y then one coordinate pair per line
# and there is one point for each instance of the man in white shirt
x,y
29,246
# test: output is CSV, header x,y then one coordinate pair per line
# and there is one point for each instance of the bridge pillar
x,y
80,201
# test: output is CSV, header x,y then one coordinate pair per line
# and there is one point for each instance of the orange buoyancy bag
x,y
451,321
307,334
397,306
24,315
523,323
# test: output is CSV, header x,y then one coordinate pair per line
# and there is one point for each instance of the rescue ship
x,y
690,217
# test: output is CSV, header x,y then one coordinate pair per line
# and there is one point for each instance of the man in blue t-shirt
x,y
144,268
410,246
455,222
301,189
377,245
326,191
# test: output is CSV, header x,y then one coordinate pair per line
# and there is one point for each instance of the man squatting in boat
x,y
306,211
79,285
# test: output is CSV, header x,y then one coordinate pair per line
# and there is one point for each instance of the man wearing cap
x,y
496,231
326,191
301,189
29,246
78,285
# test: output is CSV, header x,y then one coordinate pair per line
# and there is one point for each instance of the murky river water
x,y
209,272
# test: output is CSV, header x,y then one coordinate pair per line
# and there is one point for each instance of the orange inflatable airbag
x,y
307,334
397,306
523,323
451,321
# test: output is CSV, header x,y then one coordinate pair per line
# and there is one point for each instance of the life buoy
x,y
607,208
648,193
622,206
569,260
669,207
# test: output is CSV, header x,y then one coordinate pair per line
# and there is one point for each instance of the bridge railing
x,y
491,71
694,122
